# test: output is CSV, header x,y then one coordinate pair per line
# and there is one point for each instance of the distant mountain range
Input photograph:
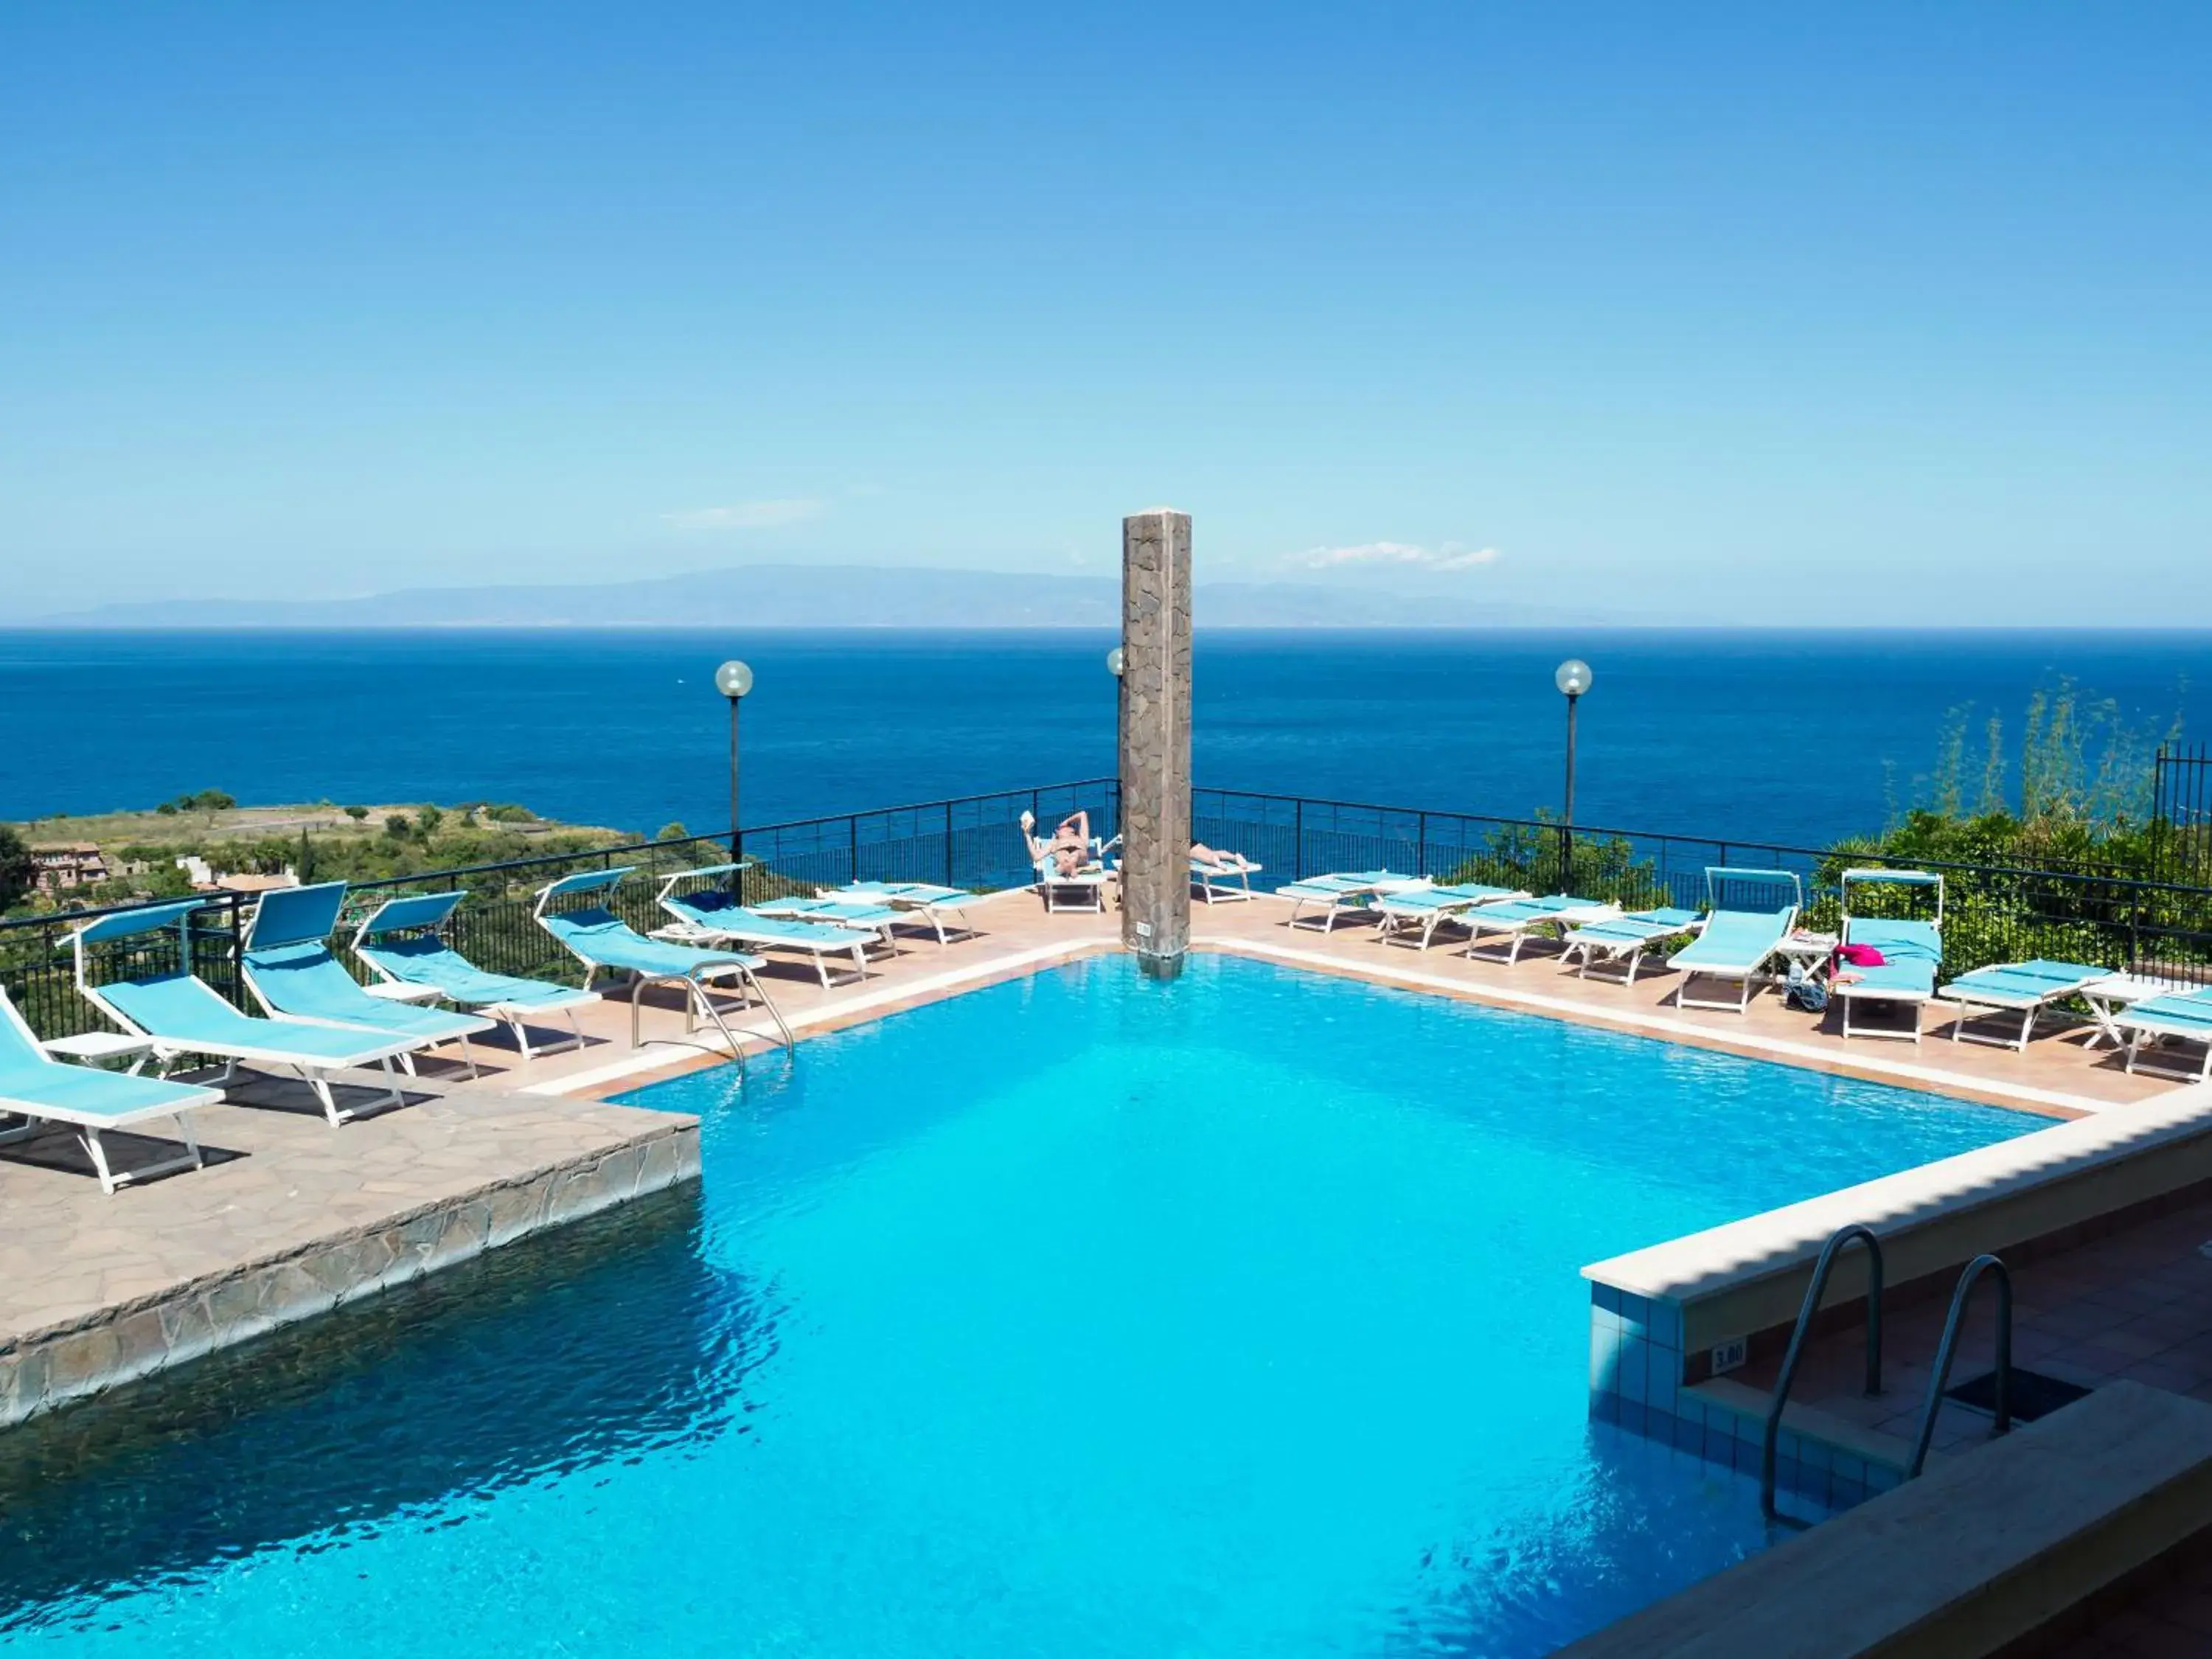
x,y
828,596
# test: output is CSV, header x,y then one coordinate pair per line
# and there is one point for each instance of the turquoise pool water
x,y
1079,1315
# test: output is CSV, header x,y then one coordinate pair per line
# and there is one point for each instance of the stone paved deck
x,y
289,1218
2057,1076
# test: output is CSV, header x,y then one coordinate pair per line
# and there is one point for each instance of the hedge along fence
x,y
1992,913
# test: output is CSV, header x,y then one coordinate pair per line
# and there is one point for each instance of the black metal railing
x,y
1993,913
2181,812
973,842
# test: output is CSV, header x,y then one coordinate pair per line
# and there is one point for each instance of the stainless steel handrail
x,y
1947,1351
1856,1233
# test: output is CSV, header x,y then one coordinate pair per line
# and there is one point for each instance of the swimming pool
x,y
1079,1315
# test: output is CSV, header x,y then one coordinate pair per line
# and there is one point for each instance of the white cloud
x,y
745,515
1452,556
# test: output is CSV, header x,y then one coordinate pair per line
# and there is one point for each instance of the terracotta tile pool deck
x,y
2057,1076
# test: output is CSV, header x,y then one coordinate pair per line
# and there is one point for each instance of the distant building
x,y
253,884
206,880
71,864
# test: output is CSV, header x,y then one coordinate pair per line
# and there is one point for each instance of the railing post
x,y
949,882
1299,839
1421,844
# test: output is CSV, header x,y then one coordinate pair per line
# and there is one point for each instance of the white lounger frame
x,y
513,1015
1224,884
686,930
695,984
89,1126
1587,950
315,1072
1427,918
929,912
1357,899
1849,992
1518,933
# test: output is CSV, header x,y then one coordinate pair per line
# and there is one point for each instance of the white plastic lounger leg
x,y
1973,1011
90,1139
110,1179
318,1083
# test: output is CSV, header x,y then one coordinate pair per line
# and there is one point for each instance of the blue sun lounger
x,y
403,943
2026,988
714,915
2178,1017
1422,910
1911,950
1627,938
1748,913
180,1013
605,943
925,900
1346,893
1516,921
35,1085
871,919
289,970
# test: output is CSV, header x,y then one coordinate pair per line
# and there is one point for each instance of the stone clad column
x,y
1156,738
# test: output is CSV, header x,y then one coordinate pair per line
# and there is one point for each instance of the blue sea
x,y
1790,737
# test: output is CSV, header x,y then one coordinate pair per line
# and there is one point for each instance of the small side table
x,y
2110,996
101,1049
1810,950
413,995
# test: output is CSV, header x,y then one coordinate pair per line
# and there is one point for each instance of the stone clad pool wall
x,y
43,1369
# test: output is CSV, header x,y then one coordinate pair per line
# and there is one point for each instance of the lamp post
x,y
1115,662
1573,677
733,679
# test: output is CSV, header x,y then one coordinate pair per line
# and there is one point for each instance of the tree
x,y
673,831
398,825
427,820
356,813
19,872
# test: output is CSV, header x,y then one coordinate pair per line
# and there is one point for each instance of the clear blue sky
x,y
1747,313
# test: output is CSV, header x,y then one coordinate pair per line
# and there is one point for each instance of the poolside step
x,y
2036,1529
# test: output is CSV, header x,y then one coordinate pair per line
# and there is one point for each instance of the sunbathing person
x,y
1069,849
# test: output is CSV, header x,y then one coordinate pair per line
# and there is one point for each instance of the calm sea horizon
x,y
1793,737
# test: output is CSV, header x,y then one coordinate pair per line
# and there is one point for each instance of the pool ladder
x,y
1856,1233
1946,1352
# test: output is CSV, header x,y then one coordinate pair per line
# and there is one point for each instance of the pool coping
x,y
653,1062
